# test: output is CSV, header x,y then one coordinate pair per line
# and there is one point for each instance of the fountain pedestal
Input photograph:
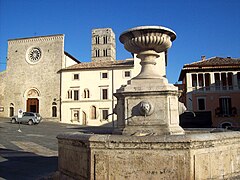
x,y
149,91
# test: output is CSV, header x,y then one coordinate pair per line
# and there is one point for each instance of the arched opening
x,y
93,112
11,111
54,111
226,125
86,93
84,118
32,100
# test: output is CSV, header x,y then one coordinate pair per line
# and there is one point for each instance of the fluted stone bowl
x,y
145,38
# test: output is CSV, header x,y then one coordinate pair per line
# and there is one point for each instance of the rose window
x,y
34,54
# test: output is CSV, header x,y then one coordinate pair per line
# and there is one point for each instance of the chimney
x,y
203,58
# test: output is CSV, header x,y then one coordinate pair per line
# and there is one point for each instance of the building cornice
x,y
36,38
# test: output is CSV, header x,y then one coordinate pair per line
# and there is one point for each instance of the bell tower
x,y
103,45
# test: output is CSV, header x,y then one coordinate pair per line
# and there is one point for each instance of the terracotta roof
x,y
211,63
101,64
215,61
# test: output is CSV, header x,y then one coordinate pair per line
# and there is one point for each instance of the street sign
x,y
20,113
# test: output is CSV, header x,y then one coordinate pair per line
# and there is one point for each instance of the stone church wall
x,y
32,68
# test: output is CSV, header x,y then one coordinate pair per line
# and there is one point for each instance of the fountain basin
x,y
187,157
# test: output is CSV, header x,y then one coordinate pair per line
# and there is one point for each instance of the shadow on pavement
x,y
25,165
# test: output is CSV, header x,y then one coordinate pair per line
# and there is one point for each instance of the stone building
x,y
213,86
31,81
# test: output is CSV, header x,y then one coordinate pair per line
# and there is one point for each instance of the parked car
x,y
28,117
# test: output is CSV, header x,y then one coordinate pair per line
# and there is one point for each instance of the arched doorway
x,y
33,105
11,110
84,118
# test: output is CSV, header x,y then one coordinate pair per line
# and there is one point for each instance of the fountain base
x,y
190,156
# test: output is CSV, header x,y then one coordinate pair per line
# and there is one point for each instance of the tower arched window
x,y
105,52
105,40
97,52
93,112
97,39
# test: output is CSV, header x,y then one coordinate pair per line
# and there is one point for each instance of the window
x,y
105,114
225,106
97,51
194,80
201,104
69,94
224,81
104,93
75,76
200,80
76,95
86,93
97,39
230,80
217,81
238,80
207,81
105,52
105,40
93,112
127,74
104,75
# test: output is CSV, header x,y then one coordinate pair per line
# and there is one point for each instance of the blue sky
x,y
203,27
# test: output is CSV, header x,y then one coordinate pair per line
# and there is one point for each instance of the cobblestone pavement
x,y
31,152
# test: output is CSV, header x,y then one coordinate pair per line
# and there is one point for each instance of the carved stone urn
x,y
148,105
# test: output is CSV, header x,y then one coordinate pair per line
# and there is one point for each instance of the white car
x,y
28,117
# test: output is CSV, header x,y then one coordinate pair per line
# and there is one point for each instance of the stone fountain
x,y
148,142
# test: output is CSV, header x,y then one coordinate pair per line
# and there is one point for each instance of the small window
x,y
105,52
76,77
104,75
69,94
86,93
201,104
76,95
127,74
105,114
104,93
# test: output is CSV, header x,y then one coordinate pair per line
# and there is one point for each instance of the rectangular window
x,y
225,106
230,81
217,81
104,75
75,76
224,81
201,104
207,81
127,74
238,80
194,80
76,95
105,114
104,93
200,80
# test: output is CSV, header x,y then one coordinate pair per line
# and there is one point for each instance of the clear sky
x,y
203,27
